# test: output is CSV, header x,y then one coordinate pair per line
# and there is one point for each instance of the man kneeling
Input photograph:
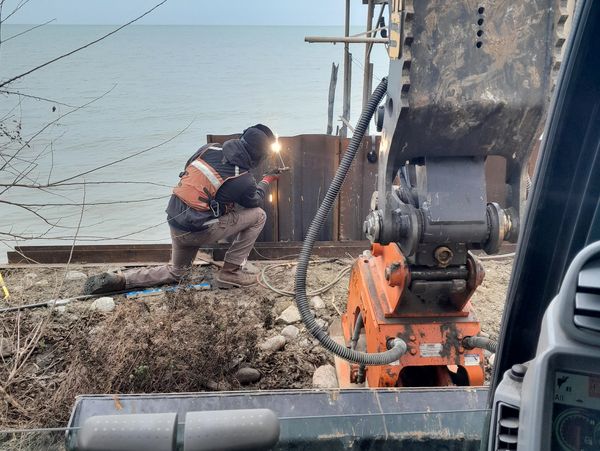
x,y
201,211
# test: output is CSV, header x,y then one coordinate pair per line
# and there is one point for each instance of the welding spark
x,y
276,146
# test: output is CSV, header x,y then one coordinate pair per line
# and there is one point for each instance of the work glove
x,y
273,174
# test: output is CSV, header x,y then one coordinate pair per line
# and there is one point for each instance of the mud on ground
x,y
175,342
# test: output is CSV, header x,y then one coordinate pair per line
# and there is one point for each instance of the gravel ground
x,y
488,301
183,341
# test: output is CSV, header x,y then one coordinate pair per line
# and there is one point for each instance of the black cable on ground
x,y
398,346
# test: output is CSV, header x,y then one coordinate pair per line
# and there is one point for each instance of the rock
x,y
75,275
247,376
317,303
61,309
290,332
290,315
105,304
6,347
492,359
325,377
234,363
281,305
217,386
30,276
322,323
273,344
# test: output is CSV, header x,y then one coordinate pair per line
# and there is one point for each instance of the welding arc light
x,y
276,146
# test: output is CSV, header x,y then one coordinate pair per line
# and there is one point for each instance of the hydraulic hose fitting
x,y
399,344
480,342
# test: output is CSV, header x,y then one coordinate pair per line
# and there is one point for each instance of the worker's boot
x,y
107,282
249,268
232,276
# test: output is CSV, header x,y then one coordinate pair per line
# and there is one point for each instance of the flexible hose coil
x,y
399,346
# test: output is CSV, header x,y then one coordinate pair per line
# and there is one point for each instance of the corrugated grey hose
x,y
398,345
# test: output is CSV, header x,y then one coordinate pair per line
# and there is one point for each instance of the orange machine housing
x,y
432,331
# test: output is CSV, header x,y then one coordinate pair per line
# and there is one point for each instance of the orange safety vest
x,y
199,183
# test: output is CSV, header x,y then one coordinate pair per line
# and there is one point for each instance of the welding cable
x,y
480,342
397,346
264,281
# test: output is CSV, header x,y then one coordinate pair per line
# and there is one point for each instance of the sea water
x,y
158,90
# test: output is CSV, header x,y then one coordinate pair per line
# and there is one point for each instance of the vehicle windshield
x,y
307,208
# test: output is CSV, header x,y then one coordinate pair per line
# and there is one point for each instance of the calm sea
x,y
159,87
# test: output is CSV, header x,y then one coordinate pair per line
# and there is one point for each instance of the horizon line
x,y
190,24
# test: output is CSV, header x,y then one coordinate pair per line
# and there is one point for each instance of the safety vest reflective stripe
x,y
208,173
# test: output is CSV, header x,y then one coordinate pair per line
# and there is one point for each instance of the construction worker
x,y
201,211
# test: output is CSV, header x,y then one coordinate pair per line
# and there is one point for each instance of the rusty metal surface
x,y
313,160
153,253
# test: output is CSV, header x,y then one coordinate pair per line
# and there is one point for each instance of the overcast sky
x,y
224,12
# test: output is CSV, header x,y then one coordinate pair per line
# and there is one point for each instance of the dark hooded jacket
x,y
242,190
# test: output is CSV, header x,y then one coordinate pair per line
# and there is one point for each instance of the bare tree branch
x,y
106,182
28,30
35,213
14,11
29,96
120,160
58,58
114,202
39,132
57,292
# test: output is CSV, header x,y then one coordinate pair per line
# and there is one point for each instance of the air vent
x,y
587,298
507,427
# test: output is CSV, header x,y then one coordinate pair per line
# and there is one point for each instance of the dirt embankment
x,y
174,342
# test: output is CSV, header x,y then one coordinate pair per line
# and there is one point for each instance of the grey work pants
x,y
244,224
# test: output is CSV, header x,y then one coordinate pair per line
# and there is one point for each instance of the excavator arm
x,y
467,80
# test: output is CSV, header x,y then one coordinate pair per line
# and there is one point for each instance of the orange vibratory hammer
x,y
380,291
